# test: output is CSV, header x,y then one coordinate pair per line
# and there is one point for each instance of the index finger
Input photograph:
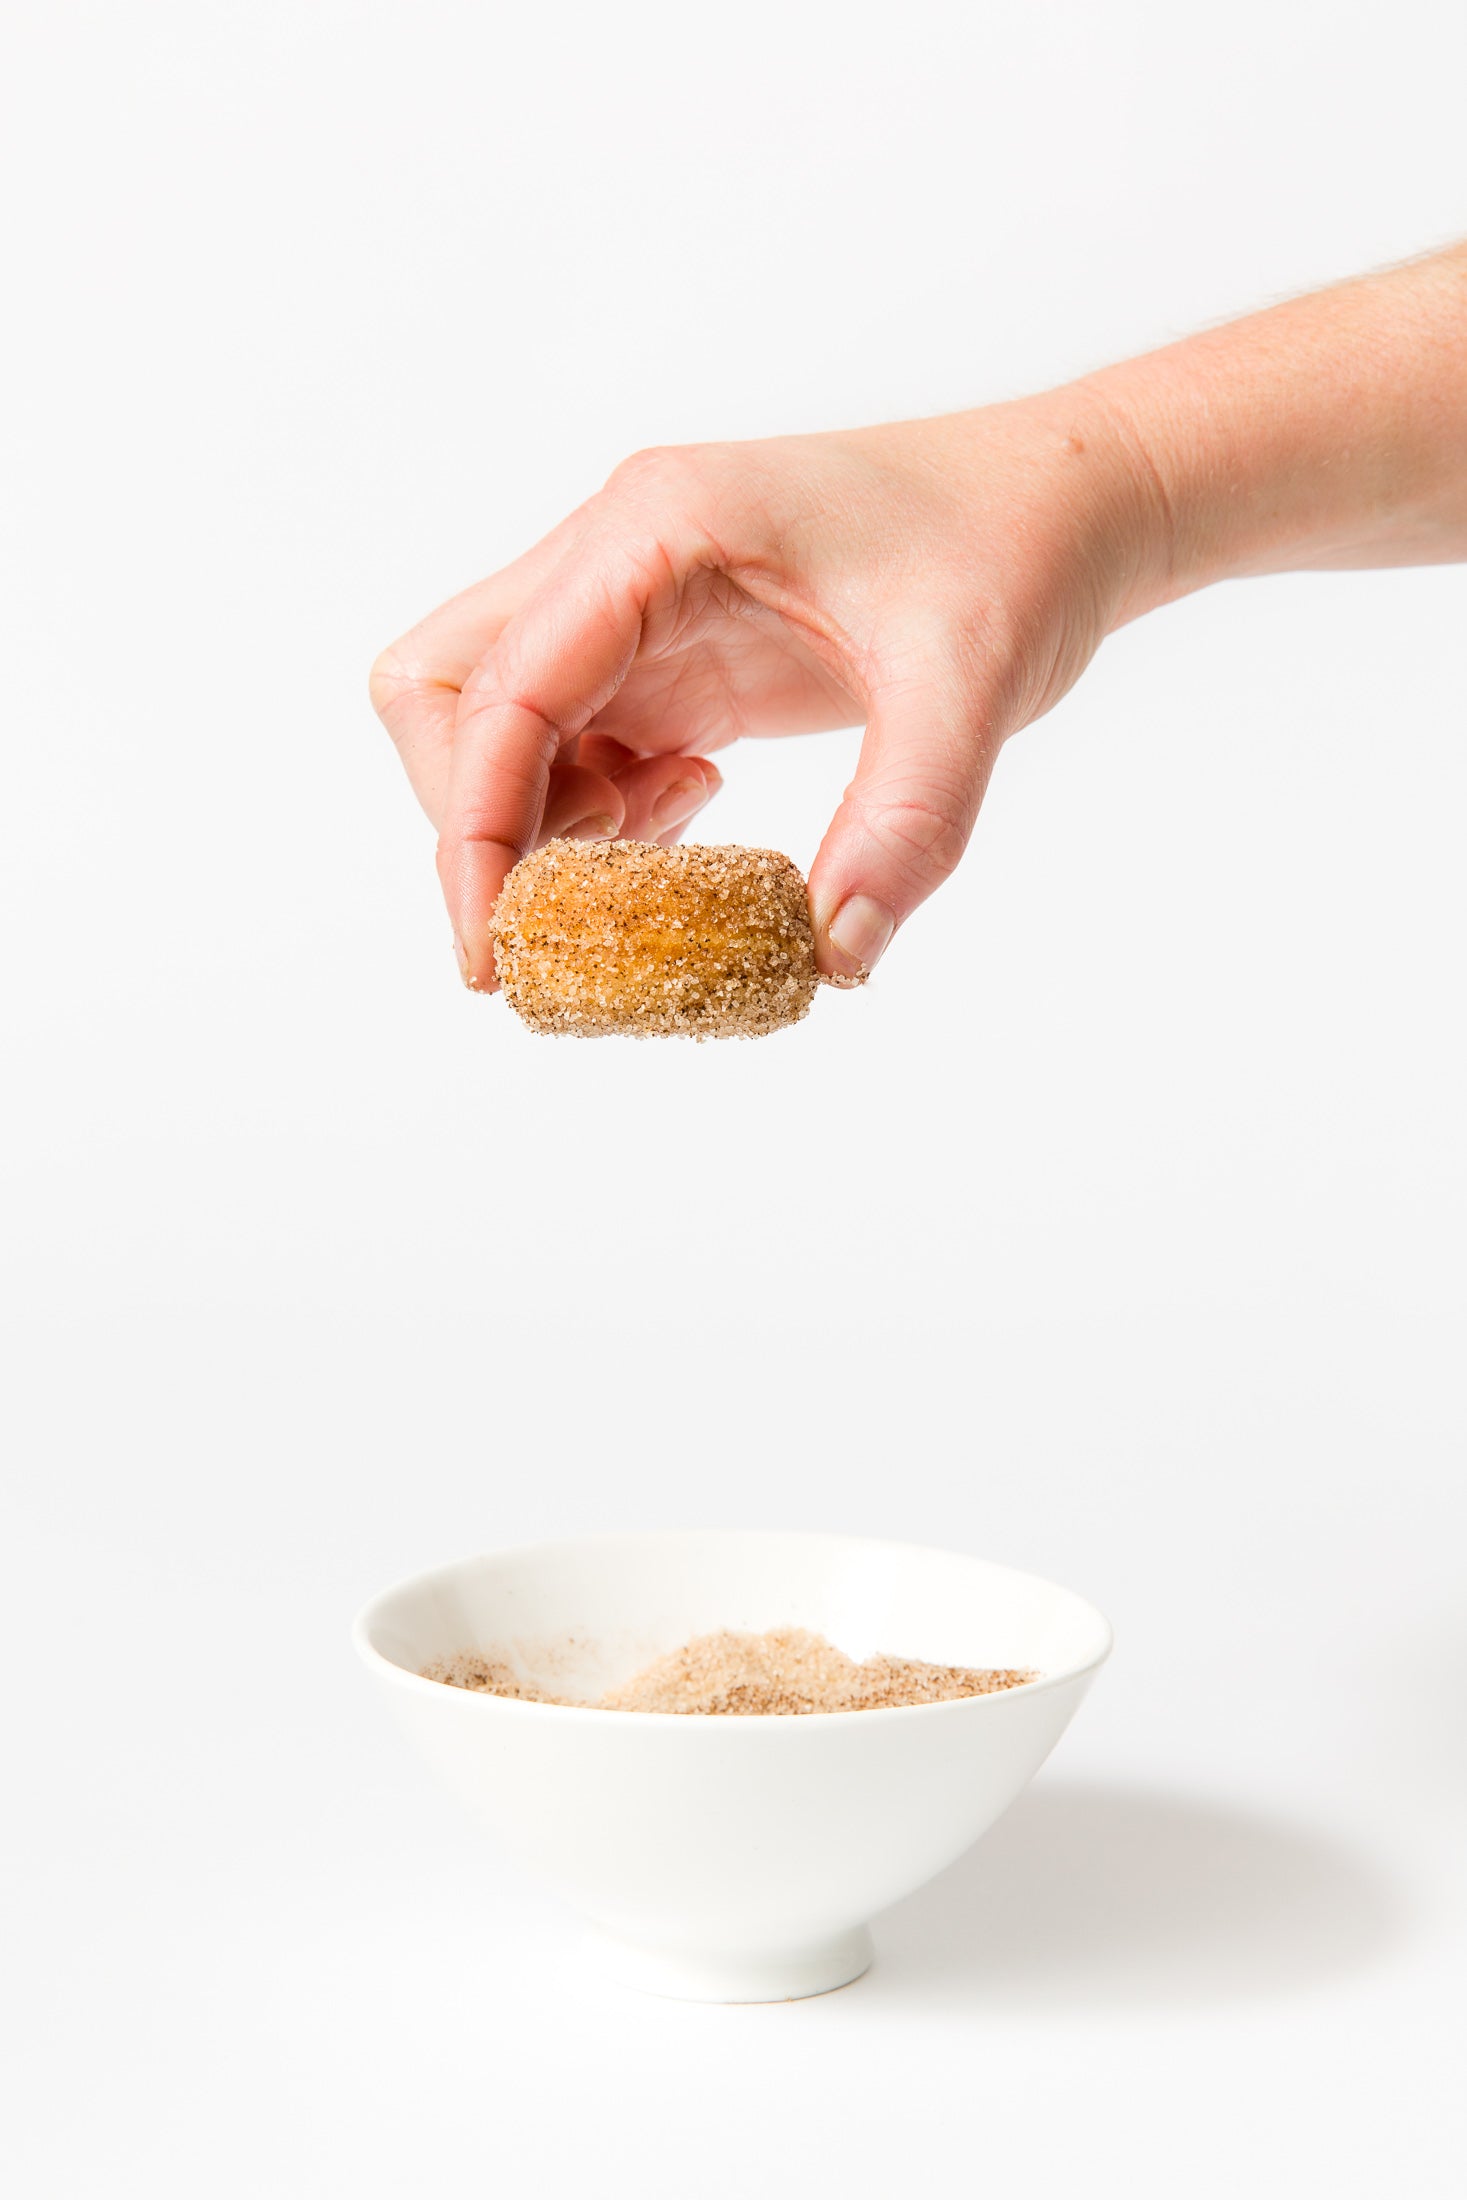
x,y
415,683
558,662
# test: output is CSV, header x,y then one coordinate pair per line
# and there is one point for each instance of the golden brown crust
x,y
593,938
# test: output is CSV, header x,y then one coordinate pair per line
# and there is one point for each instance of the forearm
x,y
1331,431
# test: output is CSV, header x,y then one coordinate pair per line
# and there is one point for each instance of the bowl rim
x,y
756,1721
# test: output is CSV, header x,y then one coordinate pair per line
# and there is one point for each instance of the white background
x,y
1116,1231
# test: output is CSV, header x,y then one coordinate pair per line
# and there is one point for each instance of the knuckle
x,y
664,470
922,836
483,685
388,682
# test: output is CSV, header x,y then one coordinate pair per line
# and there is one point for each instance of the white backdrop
x,y
1116,1231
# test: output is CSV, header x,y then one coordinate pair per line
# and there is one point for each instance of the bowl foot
x,y
786,1974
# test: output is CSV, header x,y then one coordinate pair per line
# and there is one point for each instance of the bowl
x,y
730,1858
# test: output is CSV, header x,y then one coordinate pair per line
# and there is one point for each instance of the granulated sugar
x,y
783,1672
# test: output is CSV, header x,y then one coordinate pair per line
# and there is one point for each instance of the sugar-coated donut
x,y
620,936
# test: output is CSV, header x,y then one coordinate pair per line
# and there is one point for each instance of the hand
x,y
942,582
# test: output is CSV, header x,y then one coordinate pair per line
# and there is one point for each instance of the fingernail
x,y
462,960
860,932
591,828
677,803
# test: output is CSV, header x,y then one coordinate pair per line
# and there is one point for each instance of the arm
x,y
943,582
1328,432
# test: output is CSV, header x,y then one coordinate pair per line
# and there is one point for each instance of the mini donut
x,y
598,937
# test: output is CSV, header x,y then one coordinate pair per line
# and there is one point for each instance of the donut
x,y
594,938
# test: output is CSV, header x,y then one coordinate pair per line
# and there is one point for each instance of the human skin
x,y
942,582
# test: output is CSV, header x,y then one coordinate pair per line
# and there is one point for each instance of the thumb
x,y
901,829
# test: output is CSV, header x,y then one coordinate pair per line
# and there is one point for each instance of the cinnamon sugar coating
x,y
790,1671
593,938
784,1673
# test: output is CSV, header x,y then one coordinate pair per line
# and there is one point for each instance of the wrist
x,y
1328,432
1136,506
1119,514
1214,512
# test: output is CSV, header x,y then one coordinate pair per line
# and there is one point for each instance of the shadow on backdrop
x,y
1092,1896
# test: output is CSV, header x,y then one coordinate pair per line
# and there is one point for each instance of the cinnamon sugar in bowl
x,y
717,1857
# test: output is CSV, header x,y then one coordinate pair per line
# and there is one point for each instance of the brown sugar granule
x,y
785,1672
593,938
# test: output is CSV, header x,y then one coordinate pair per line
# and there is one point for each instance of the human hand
x,y
942,582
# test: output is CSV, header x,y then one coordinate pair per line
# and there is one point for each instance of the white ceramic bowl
x,y
731,1859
